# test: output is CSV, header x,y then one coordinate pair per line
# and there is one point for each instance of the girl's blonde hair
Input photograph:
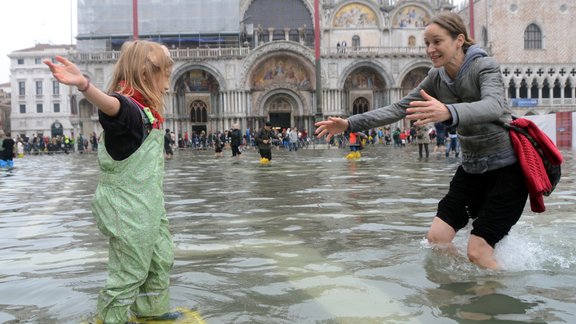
x,y
140,68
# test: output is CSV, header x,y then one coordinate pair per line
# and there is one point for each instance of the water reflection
x,y
310,238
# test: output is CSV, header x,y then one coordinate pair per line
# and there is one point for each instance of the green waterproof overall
x,y
129,210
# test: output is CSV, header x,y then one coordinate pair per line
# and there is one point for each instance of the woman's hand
x,y
331,127
67,73
428,111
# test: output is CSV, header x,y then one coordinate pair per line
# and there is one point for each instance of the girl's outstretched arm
x,y
69,74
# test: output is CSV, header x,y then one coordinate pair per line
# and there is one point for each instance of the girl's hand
x,y
428,111
331,127
67,73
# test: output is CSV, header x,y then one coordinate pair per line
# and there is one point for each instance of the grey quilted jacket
x,y
477,104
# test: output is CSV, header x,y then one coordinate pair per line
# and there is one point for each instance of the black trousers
x,y
266,153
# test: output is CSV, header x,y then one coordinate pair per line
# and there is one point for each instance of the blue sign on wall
x,y
524,102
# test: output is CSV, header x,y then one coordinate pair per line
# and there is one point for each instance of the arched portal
x,y
365,89
196,108
281,87
57,129
281,108
412,79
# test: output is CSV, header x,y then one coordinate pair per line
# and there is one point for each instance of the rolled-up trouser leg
x,y
153,298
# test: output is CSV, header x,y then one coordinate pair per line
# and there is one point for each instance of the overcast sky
x,y
24,23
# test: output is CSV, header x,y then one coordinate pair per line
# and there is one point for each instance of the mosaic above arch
x,y
355,15
414,77
364,78
280,70
411,17
197,81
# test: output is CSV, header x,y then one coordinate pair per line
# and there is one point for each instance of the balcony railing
x,y
374,51
240,52
176,54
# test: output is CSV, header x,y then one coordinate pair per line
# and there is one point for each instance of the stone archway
x,y
365,89
56,129
280,109
413,78
282,87
196,101
411,81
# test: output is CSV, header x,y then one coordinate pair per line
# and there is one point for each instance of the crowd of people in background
x,y
55,144
444,141
287,138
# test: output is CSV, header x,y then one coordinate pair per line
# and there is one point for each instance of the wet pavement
x,y
310,238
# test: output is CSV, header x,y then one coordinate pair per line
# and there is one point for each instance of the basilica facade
x,y
371,53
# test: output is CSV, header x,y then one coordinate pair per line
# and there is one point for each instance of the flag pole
x,y
318,114
135,19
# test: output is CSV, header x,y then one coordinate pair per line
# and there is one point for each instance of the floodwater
x,y
310,238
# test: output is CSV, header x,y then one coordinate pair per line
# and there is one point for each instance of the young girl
x,y
129,204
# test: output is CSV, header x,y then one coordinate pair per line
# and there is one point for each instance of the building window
x,y
534,89
198,112
55,88
56,107
37,60
20,61
511,89
39,108
22,109
546,89
21,88
568,89
557,90
523,89
38,88
532,37
355,42
360,106
484,37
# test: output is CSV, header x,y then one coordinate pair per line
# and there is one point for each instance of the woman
x,y
423,139
464,89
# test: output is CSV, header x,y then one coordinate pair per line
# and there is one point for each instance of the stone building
x,y
248,61
533,41
5,108
39,104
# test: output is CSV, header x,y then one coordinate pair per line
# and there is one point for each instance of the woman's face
x,y
441,47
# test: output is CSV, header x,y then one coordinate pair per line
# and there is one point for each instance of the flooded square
x,y
310,238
